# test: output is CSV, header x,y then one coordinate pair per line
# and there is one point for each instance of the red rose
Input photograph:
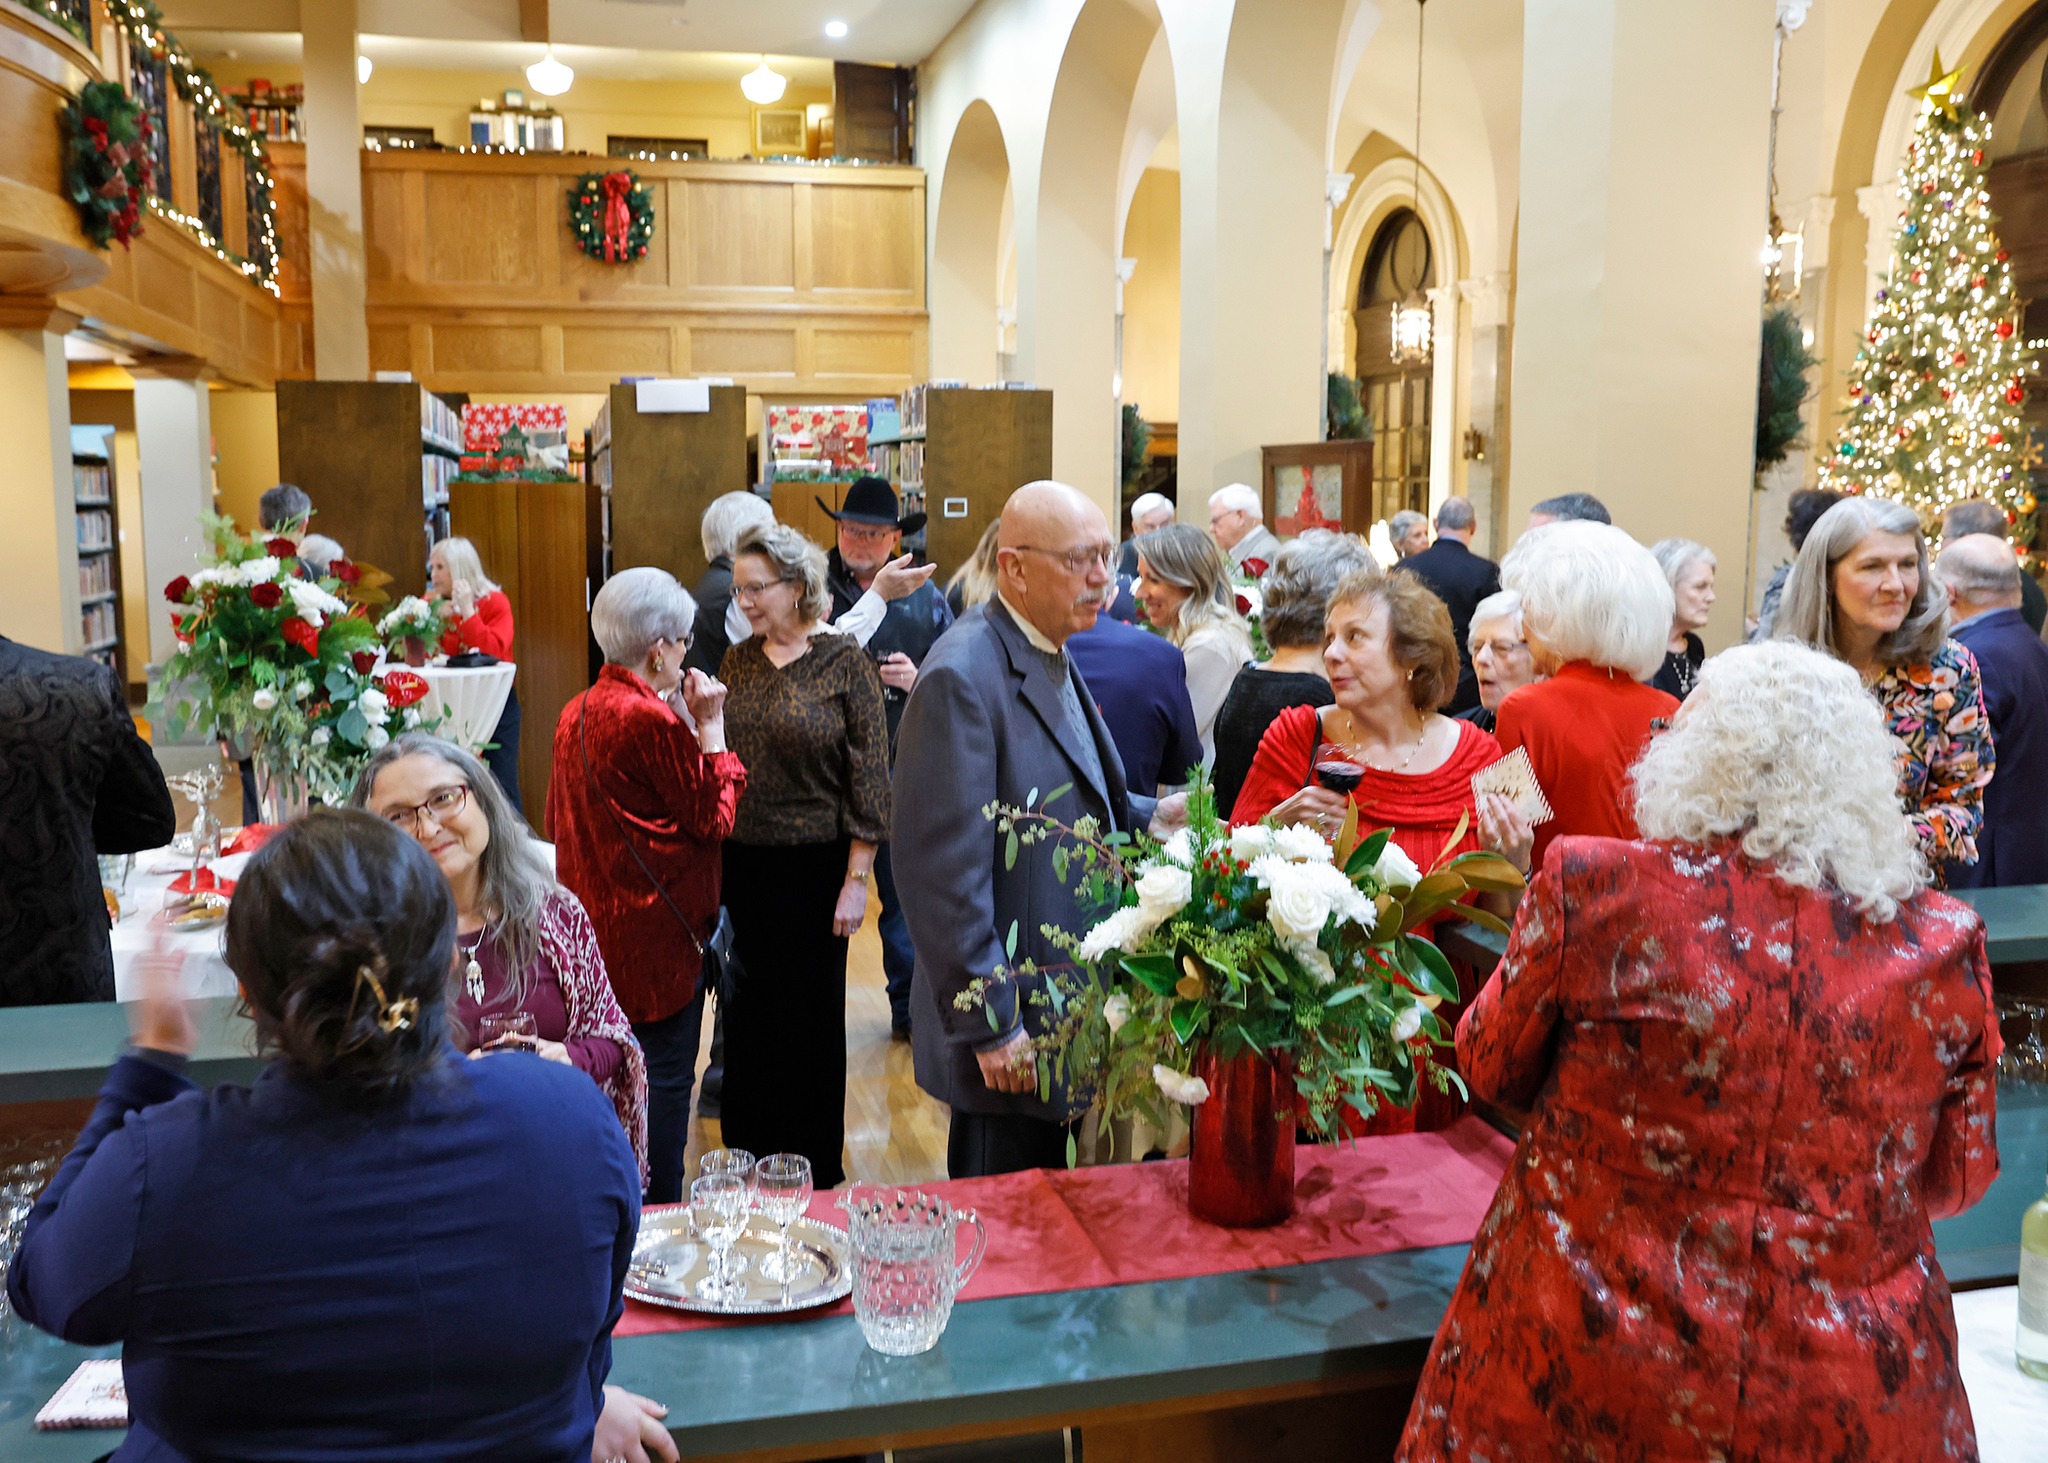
x,y
178,589
266,596
1256,568
363,661
302,634
280,548
1244,604
403,688
346,572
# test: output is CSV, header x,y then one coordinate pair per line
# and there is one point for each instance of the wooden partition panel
x,y
666,469
979,447
354,446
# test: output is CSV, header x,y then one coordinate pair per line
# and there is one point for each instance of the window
x,y
206,153
657,149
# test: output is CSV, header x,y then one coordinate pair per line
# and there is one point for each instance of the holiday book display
x,y
1261,976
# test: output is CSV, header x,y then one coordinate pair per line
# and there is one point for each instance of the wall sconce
x,y
1475,445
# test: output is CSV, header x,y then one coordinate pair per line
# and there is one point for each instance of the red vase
x,y
415,651
1241,1167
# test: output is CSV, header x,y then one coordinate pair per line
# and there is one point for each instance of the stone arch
x,y
969,246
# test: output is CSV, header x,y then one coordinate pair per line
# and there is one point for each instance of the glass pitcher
x,y
906,1266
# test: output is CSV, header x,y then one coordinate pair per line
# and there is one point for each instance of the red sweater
x,y
489,629
1584,729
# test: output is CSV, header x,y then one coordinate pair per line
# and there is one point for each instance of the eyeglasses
x,y
1077,561
441,805
867,533
742,592
1499,647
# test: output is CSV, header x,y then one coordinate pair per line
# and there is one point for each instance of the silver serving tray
x,y
669,1259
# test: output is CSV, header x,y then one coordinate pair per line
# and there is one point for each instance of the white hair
x,y
1146,504
1781,747
1239,498
1676,555
1590,592
463,562
1507,605
728,518
318,552
637,607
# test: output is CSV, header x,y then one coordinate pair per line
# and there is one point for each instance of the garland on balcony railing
x,y
59,12
106,161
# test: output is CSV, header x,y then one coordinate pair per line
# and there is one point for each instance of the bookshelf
x,y
274,112
958,453
99,561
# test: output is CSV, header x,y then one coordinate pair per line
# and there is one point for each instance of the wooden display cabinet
x,y
661,470
979,447
1319,485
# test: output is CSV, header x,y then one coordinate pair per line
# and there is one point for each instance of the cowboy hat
x,y
872,501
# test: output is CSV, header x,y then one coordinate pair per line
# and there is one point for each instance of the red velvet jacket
x,y
648,789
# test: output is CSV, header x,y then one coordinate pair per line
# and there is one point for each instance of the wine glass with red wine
x,y
1336,770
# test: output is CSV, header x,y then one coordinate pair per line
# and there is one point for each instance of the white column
x,y
1486,476
1645,130
174,445
39,550
1879,204
334,191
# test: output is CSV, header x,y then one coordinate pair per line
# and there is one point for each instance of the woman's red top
x,y
488,629
1583,729
648,791
1421,809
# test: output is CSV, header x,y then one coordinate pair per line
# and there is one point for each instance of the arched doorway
x,y
970,248
1400,268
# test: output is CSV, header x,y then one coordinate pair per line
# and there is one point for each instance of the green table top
x,y
53,1052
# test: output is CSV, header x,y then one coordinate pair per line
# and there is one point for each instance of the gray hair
x,y
1590,592
1507,605
284,504
1980,569
1806,612
729,516
318,552
796,560
1456,514
1574,508
1973,516
1183,555
1676,555
1781,748
463,562
1304,574
1146,504
1404,523
513,881
637,607
1239,498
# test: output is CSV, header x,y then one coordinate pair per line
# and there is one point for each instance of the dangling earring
x,y
657,665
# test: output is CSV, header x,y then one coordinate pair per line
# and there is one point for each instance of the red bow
x,y
618,218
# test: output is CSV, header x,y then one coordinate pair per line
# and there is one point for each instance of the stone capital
x,y
1488,295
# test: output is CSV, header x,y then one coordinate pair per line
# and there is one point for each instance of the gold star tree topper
x,y
1940,91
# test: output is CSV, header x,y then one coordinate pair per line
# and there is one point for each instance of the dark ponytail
x,y
342,932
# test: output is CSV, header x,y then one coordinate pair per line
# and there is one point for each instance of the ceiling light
x,y
836,29
548,76
764,87
363,70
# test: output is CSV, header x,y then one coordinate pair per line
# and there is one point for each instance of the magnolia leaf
x,y
1184,1018
1488,871
1485,919
1349,993
1457,833
1154,972
1347,836
1367,853
1426,968
1439,883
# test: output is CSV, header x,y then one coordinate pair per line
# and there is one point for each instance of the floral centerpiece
x,y
283,665
414,628
1260,975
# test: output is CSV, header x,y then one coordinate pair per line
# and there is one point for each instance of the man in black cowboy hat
x,y
871,529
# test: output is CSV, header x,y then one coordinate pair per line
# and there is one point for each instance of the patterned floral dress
x,y
1936,710
1713,1240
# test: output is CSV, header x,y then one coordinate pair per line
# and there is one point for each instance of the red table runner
x,y
1073,1229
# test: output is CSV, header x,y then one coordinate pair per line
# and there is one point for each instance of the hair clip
x,y
393,1016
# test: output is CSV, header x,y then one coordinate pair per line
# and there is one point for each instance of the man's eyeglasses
x,y
741,592
443,804
1076,561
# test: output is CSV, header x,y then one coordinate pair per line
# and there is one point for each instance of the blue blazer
x,y
2013,848
434,1281
1140,684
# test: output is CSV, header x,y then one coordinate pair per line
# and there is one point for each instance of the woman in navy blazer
x,y
377,1251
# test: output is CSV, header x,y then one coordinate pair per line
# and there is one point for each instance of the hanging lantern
x,y
1412,330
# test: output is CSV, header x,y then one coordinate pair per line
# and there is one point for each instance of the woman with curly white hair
x,y
1861,591
1596,614
1761,1058
1185,594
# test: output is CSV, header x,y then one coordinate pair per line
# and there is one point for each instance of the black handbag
x,y
721,968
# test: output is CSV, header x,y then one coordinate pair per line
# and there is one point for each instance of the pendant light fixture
x,y
763,85
1413,323
548,76
364,66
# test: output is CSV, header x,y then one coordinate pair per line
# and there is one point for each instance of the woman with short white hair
x,y
1860,591
1759,1057
1690,568
643,794
1596,613
1184,592
1501,661
729,516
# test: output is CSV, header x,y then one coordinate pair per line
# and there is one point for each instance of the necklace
x,y
473,973
1402,765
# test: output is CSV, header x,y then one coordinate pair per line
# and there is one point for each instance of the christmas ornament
x,y
611,216
2005,330
1939,92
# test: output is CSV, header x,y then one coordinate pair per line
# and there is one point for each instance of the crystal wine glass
x,y
735,1161
782,1187
718,1208
1336,769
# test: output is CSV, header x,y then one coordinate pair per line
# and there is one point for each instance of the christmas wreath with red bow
x,y
106,161
612,217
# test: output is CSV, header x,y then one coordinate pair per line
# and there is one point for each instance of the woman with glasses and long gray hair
x,y
642,794
1184,593
524,945
1758,1057
1860,591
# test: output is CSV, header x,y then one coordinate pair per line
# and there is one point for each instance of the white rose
x,y
1163,890
1297,906
1179,849
1302,845
1116,1011
302,690
1118,932
313,603
374,704
321,736
376,738
1179,1086
1314,961
1251,842
1395,869
259,571
264,700
1406,1024
412,717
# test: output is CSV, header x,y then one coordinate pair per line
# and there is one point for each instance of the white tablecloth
x,y
2010,1408
471,698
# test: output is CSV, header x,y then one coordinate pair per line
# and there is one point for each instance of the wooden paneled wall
x,y
788,279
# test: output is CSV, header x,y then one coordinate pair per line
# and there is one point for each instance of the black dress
x,y
1681,668
1254,699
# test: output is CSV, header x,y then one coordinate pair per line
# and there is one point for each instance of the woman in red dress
x,y
1393,663
483,622
1761,1058
1596,612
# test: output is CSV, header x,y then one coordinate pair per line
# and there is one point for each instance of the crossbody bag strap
x,y
583,738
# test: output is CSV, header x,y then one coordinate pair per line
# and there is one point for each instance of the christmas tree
x,y
1935,395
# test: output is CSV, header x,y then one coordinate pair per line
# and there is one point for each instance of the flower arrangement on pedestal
x,y
283,665
414,628
1263,961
